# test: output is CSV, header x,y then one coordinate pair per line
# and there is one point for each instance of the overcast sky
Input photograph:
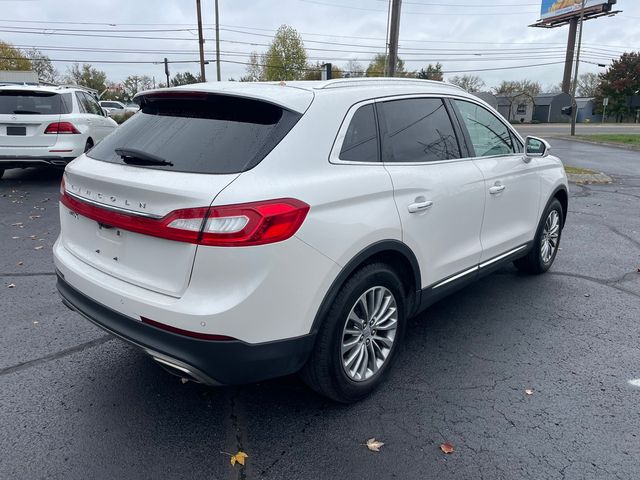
x,y
491,34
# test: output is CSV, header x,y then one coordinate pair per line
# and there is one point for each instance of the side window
x,y
361,140
82,103
92,105
418,130
488,134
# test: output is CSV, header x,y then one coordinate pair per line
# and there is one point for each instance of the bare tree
x,y
471,83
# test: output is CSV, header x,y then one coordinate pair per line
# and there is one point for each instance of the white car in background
x,y
44,125
118,108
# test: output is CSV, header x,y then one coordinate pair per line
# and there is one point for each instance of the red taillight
x,y
61,128
187,333
240,225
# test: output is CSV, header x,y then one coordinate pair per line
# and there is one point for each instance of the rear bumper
x,y
210,362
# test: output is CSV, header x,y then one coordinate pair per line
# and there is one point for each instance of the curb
x,y
589,178
634,148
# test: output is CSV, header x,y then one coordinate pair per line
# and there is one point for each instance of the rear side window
x,y
418,130
199,133
361,140
21,102
488,134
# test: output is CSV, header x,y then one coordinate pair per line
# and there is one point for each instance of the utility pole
x,y
201,41
574,105
394,33
217,43
166,70
571,47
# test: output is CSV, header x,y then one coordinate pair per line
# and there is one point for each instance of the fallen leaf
x,y
33,237
39,247
447,448
35,322
374,445
11,285
529,391
33,217
15,238
16,224
20,264
587,295
238,457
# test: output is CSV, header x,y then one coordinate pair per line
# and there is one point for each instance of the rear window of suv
x,y
198,133
21,102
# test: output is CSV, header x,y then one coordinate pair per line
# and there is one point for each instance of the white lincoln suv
x,y
42,125
242,231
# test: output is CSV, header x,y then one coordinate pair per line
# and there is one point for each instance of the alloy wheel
x,y
550,236
368,334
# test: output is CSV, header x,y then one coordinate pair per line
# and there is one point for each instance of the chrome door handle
x,y
497,189
419,206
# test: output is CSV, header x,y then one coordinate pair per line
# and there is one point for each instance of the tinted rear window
x,y
20,102
418,130
201,133
361,140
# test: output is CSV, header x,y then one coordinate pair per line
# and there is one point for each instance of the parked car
x,y
114,107
48,125
241,231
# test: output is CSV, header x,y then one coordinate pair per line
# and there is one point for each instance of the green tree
x,y
433,72
41,64
377,67
471,83
286,58
134,84
186,78
12,59
87,76
620,82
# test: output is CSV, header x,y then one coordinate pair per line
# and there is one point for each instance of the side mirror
x,y
536,147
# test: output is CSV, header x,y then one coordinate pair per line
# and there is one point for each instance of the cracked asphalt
x,y
77,404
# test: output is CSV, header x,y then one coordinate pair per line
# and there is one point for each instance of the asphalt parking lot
x,y
77,404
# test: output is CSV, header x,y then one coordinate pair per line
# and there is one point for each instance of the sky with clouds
x,y
464,35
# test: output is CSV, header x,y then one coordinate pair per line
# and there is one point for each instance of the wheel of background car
x,y
359,338
547,241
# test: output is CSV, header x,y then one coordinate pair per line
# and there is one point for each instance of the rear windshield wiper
x,y
26,112
132,156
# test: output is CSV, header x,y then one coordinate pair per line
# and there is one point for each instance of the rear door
x,y
25,115
177,153
512,183
103,126
439,193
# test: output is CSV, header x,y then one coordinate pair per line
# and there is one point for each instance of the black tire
x,y
533,263
88,146
1,172
324,372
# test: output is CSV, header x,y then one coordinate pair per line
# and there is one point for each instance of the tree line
x,y
286,59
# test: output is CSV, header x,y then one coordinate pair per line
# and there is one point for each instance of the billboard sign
x,y
557,8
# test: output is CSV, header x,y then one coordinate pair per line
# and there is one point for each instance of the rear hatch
x,y
26,114
178,153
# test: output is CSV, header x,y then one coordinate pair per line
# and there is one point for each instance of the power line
x,y
316,2
229,27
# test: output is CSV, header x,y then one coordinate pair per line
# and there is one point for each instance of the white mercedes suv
x,y
41,125
243,231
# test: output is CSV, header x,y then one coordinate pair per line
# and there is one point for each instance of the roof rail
x,y
360,81
81,87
